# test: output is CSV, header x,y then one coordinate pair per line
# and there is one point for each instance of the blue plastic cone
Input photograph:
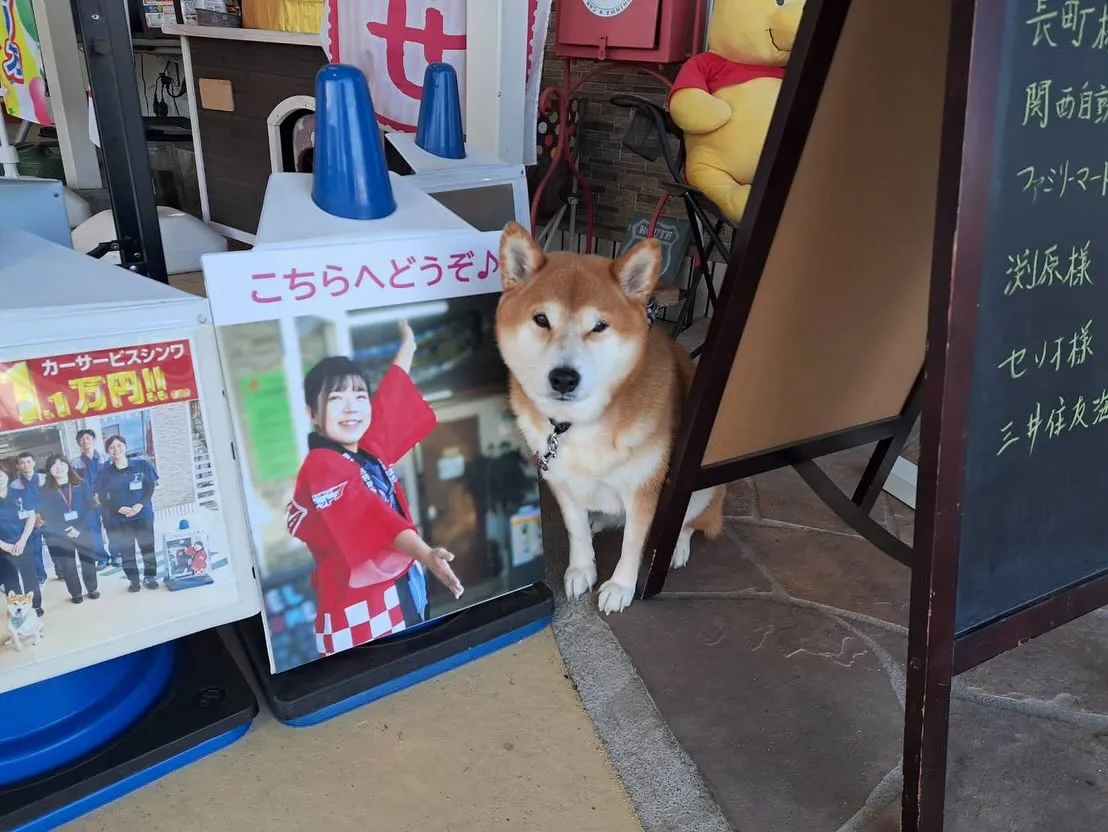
x,y
350,176
439,130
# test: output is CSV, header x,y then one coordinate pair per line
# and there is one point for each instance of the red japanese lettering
x,y
330,280
257,298
399,269
431,264
363,273
458,263
397,34
300,284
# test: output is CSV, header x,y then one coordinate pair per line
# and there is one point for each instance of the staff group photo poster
x,y
107,485
386,482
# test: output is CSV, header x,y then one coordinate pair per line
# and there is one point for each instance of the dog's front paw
x,y
615,597
681,552
580,580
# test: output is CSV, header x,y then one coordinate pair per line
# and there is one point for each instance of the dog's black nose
x,y
564,380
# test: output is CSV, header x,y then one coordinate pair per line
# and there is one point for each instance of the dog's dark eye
x,y
600,326
541,321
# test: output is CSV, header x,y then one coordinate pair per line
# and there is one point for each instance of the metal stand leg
x,y
885,454
107,39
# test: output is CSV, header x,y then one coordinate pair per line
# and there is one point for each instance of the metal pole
x,y
106,35
9,156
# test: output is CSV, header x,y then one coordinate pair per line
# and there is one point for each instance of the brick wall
x,y
172,431
622,182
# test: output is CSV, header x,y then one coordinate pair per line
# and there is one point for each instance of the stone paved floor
x,y
776,659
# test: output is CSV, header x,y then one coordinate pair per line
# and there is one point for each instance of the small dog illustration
x,y
23,621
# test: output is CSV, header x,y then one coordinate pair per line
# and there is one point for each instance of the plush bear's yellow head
x,y
757,32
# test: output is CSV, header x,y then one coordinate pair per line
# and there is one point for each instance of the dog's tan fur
x,y
624,412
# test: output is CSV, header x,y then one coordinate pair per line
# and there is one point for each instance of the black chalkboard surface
x,y
1034,511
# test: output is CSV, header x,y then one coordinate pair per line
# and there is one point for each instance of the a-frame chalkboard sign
x,y
936,173
1011,535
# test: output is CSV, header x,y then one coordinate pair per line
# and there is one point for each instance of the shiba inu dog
x,y
598,395
23,621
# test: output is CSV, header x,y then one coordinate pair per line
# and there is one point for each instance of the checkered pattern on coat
x,y
375,614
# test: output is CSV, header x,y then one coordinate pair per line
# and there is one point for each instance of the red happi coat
x,y
347,526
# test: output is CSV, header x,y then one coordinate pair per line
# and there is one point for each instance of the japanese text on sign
x,y
1055,103
1045,100
48,389
266,284
11,56
1064,177
297,285
1031,269
1069,23
1065,351
1051,420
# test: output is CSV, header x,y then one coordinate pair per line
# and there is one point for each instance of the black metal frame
x,y
699,221
105,31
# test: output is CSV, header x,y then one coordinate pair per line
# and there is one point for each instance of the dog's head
x,y
571,327
19,605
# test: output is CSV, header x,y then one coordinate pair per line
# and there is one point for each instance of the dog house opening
x,y
292,135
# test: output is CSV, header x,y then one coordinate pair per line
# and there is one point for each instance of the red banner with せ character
x,y
42,391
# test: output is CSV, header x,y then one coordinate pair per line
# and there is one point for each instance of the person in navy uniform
x,y
88,464
17,528
66,504
125,488
30,481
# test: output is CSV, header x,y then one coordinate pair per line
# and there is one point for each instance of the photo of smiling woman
x,y
350,510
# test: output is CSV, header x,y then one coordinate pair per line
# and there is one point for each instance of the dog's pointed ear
x,y
638,270
520,256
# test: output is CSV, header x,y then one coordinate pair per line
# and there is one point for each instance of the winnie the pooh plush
x,y
723,98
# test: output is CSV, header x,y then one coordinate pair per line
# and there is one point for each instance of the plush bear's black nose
x,y
564,380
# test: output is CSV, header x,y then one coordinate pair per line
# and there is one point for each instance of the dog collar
x,y
17,621
556,430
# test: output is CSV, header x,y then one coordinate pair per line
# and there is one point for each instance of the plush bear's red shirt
x,y
711,72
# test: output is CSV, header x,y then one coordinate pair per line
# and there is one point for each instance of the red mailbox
x,y
640,31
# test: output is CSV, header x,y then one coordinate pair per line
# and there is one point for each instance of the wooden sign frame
x,y
968,85
936,652
890,410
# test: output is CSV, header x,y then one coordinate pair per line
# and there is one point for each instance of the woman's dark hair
x,y
51,483
331,375
111,440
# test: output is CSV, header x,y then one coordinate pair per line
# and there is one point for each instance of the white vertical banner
x,y
393,41
536,47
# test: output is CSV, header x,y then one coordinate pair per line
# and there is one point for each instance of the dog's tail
x,y
686,369
710,521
